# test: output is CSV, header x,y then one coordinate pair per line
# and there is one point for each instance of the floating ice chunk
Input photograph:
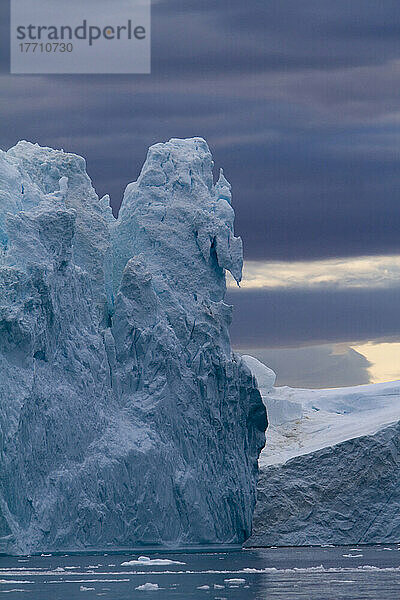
x,y
148,587
86,589
235,581
145,561
20,582
203,587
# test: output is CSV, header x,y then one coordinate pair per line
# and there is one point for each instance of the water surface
x,y
331,573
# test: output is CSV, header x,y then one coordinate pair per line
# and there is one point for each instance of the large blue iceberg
x,y
125,418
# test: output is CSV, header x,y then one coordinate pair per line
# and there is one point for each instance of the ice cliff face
x,y
125,419
348,493
332,475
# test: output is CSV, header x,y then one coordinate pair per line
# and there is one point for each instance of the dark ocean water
x,y
325,573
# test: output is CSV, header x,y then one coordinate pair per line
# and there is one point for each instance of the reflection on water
x,y
331,573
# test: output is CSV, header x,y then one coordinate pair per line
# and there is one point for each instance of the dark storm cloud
x,y
4,36
280,318
298,100
284,34
314,366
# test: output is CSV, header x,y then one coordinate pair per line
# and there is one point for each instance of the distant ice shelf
x,y
331,475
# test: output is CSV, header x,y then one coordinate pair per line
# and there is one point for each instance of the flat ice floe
x,y
154,562
148,587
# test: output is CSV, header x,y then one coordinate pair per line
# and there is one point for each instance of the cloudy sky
x,y
299,102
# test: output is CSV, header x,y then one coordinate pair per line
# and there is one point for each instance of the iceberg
x,y
125,418
332,475
279,410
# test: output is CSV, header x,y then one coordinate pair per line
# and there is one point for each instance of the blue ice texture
x,y
125,418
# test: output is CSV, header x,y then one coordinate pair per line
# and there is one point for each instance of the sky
x,y
299,102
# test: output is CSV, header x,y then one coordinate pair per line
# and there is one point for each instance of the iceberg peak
x,y
223,188
126,419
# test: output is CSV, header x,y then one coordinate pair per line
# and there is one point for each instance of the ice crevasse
x,y
125,418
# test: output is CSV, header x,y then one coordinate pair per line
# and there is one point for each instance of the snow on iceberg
x,y
279,410
125,418
332,475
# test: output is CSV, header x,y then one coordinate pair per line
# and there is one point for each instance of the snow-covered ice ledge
x,y
332,475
